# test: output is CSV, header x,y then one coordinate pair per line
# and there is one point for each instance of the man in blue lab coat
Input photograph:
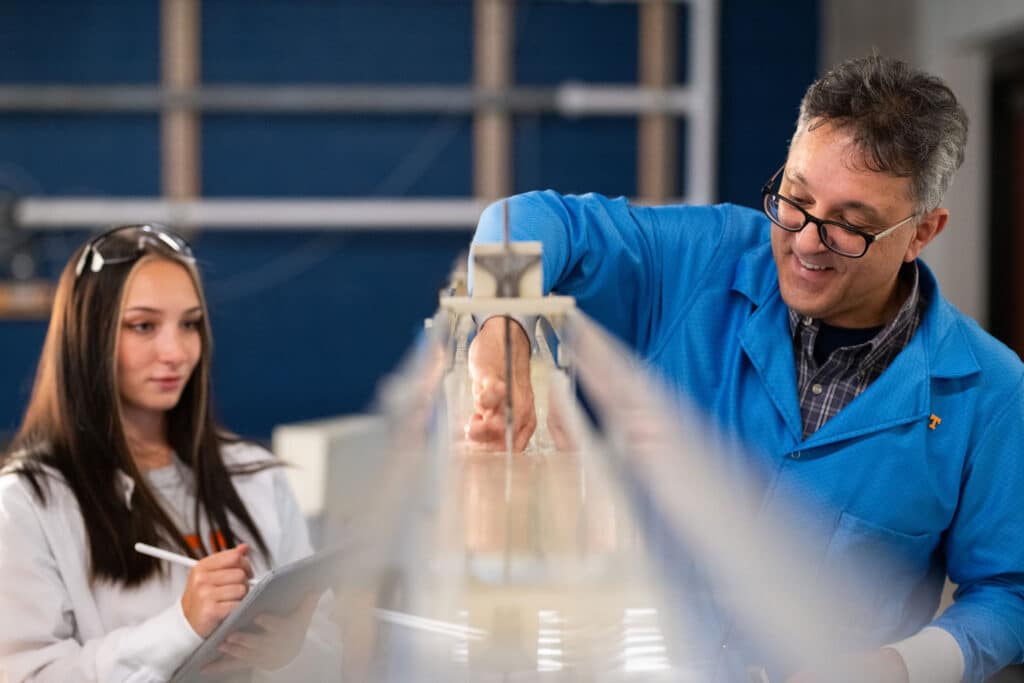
x,y
811,329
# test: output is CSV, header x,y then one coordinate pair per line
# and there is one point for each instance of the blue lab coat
x,y
922,471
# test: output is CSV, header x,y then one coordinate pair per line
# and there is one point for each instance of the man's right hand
x,y
487,372
215,586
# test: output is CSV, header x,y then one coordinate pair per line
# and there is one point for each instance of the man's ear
x,y
926,229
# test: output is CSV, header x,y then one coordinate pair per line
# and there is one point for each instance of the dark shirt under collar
x,y
827,388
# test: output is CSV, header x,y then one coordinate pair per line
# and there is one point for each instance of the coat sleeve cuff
x,y
166,640
931,656
527,322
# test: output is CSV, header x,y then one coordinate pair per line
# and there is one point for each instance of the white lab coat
x,y
56,626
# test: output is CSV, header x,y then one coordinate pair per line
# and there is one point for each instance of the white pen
x,y
162,554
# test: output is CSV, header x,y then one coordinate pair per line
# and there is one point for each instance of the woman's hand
x,y
215,585
275,645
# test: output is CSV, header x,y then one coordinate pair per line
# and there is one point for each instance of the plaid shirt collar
x,y
907,316
824,391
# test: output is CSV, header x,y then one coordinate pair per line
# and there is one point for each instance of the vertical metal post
x,y
179,128
657,160
702,132
492,71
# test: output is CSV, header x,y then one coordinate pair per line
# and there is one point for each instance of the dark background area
x,y
306,323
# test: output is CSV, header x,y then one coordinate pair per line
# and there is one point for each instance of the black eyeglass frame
x,y
868,237
148,232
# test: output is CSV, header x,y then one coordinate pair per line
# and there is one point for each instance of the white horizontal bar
x,y
577,99
573,99
547,305
253,213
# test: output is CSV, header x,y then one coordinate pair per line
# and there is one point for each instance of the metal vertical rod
x,y
657,162
492,72
509,420
702,133
180,59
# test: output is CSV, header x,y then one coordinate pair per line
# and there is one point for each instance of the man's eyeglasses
x,y
128,242
842,238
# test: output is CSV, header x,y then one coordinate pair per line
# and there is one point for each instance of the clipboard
x,y
278,592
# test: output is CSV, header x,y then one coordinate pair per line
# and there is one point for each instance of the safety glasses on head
x,y
126,243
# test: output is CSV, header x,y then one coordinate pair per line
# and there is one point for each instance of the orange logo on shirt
x,y
934,421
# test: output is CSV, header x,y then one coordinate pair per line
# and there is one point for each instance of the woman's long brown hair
x,y
73,425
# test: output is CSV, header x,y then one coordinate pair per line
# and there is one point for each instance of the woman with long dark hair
x,y
119,446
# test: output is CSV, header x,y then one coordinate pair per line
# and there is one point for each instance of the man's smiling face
x,y
827,176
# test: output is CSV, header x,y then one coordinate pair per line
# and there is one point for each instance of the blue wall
x,y
306,323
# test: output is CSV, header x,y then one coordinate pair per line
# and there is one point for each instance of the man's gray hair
x,y
906,122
